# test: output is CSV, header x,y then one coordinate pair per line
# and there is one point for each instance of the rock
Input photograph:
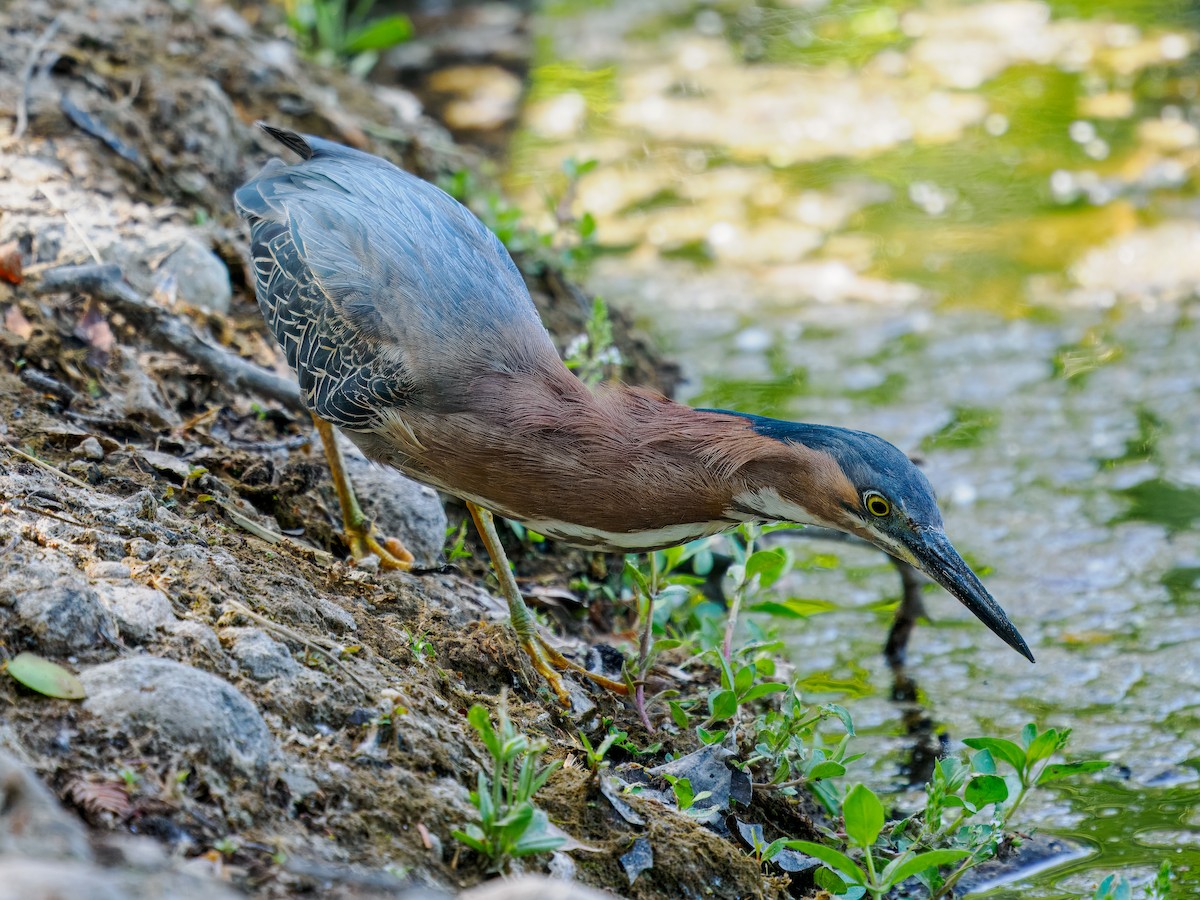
x,y
532,887
201,278
29,879
139,610
111,570
54,601
89,448
32,823
177,265
400,507
261,656
196,635
182,705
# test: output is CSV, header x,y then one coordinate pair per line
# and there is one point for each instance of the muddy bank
x,y
260,717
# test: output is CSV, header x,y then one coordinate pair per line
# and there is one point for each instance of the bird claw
x,y
364,540
547,661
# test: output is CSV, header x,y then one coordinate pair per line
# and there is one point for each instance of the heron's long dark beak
x,y
938,559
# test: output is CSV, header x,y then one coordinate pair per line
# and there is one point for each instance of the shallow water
x,y
970,228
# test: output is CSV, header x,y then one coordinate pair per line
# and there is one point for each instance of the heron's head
x,y
859,483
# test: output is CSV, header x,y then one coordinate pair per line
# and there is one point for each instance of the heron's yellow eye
x,y
876,504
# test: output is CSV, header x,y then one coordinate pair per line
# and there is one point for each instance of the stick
x,y
106,283
35,53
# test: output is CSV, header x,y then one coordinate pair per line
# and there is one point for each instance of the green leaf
x,y
768,565
743,679
678,714
999,747
832,858
45,677
473,842
762,690
722,705
826,769
793,607
863,814
1043,746
984,763
379,35
842,713
985,789
1058,771
1028,733
897,872
829,880
634,574
709,737
587,225
536,837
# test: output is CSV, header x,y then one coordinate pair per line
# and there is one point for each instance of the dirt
x,y
140,123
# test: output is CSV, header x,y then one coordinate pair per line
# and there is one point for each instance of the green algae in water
x,y
969,427
1177,507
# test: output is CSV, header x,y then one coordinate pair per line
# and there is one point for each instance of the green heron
x,y
411,329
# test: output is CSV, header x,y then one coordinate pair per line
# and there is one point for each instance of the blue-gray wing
x,y
378,286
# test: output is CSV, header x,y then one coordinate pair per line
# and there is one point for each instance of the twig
x,y
45,465
105,282
35,53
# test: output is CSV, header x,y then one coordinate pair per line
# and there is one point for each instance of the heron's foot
x,y
364,540
559,661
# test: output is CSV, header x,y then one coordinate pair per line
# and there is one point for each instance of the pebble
x,y
532,887
89,448
32,823
28,879
260,656
139,610
53,600
182,705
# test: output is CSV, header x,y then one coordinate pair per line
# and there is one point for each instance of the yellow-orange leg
x,y
544,657
360,532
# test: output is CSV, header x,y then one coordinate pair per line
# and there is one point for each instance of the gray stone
x,y
261,656
54,601
89,448
201,279
139,610
31,879
32,823
532,887
196,635
182,705
400,507
111,570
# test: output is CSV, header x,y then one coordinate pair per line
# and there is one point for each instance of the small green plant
x,y
786,749
456,541
592,355
508,824
338,31
420,646
595,755
953,828
1117,887
687,798
570,244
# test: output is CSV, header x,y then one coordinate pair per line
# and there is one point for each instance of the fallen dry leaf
x,y
10,262
93,329
16,323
